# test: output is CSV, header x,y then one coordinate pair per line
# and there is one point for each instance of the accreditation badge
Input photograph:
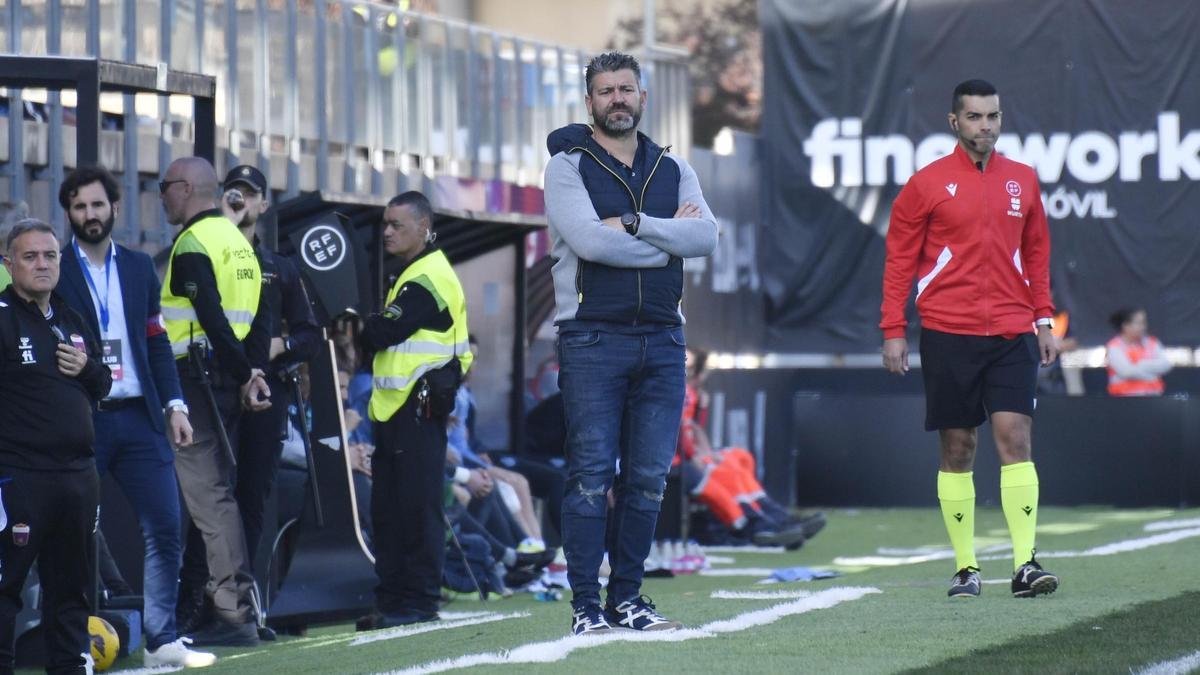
x,y
20,533
110,355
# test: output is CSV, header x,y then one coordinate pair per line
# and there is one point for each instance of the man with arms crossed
x,y
623,215
970,227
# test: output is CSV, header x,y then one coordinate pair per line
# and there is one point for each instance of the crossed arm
x,y
691,233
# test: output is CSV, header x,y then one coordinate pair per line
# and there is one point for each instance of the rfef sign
x,y
328,263
323,247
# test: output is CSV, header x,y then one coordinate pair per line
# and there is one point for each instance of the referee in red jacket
x,y
971,230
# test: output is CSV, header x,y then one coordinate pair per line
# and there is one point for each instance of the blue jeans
x,y
141,461
623,397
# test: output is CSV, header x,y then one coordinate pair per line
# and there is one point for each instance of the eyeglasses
x,y
164,185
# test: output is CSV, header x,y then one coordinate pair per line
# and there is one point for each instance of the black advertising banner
x,y
328,261
1099,96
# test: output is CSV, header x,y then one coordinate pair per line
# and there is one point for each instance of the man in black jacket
x,y
50,378
286,304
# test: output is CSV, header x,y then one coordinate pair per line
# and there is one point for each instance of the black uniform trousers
x,y
259,446
50,516
408,488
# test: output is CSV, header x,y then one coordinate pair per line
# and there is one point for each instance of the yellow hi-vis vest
x,y
239,281
399,367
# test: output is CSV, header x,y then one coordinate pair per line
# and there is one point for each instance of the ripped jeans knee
x,y
642,495
587,497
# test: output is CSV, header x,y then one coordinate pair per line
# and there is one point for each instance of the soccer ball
x,y
105,643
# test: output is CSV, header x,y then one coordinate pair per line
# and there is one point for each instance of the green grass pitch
x,y
1116,611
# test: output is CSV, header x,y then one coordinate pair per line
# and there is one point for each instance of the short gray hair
x,y
25,226
611,62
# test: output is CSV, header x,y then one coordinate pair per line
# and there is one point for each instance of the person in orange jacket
x,y
1136,361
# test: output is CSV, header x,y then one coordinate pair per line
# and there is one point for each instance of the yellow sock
x,y
1019,499
956,492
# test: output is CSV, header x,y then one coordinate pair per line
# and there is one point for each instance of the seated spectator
x,y
726,480
513,488
490,519
518,480
1136,361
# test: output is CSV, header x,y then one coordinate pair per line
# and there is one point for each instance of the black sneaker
x,y
221,633
639,614
765,532
406,618
193,610
965,583
377,620
810,524
1031,580
589,619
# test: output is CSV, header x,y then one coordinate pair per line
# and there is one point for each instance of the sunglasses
x,y
164,185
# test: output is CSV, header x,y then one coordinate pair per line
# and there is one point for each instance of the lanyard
x,y
101,300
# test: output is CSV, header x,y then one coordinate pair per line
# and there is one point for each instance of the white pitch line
x,y
1180,666
744,549
739,572
719,559
406,631
759,595
1160,525
888,561
150,671
1128,544
1123,546
557,650
451,616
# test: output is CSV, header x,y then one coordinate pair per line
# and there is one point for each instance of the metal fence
x,y
353,97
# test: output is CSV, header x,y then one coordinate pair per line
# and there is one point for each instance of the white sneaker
x,y
177,654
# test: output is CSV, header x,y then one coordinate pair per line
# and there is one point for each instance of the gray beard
x,y
621,128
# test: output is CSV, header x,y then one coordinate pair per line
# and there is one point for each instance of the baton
x,y
292,376
196,356
466,562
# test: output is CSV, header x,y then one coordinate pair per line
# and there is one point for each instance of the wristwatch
x,y
630,222
1045,321
178,407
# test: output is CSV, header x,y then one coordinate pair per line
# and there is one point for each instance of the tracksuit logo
x,y
26,349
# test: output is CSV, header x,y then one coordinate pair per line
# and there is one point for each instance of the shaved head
x,y
191,187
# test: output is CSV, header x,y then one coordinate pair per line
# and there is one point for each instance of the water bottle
x,y
548,595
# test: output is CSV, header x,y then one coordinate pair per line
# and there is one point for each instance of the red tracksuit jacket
x,y
977,243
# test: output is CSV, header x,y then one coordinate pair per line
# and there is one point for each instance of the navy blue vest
x,y
618,294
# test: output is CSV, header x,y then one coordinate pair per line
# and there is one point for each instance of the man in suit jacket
x,y
116,290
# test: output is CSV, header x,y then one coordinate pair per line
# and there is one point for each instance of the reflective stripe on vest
x,y
239,282
398,368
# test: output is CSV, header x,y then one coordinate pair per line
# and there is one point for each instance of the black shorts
x,y
968,377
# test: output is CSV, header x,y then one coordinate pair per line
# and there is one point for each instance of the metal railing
x,y
352,97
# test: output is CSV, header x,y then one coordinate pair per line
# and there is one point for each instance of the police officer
x,y
50,377
211,298
420,340
285,303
